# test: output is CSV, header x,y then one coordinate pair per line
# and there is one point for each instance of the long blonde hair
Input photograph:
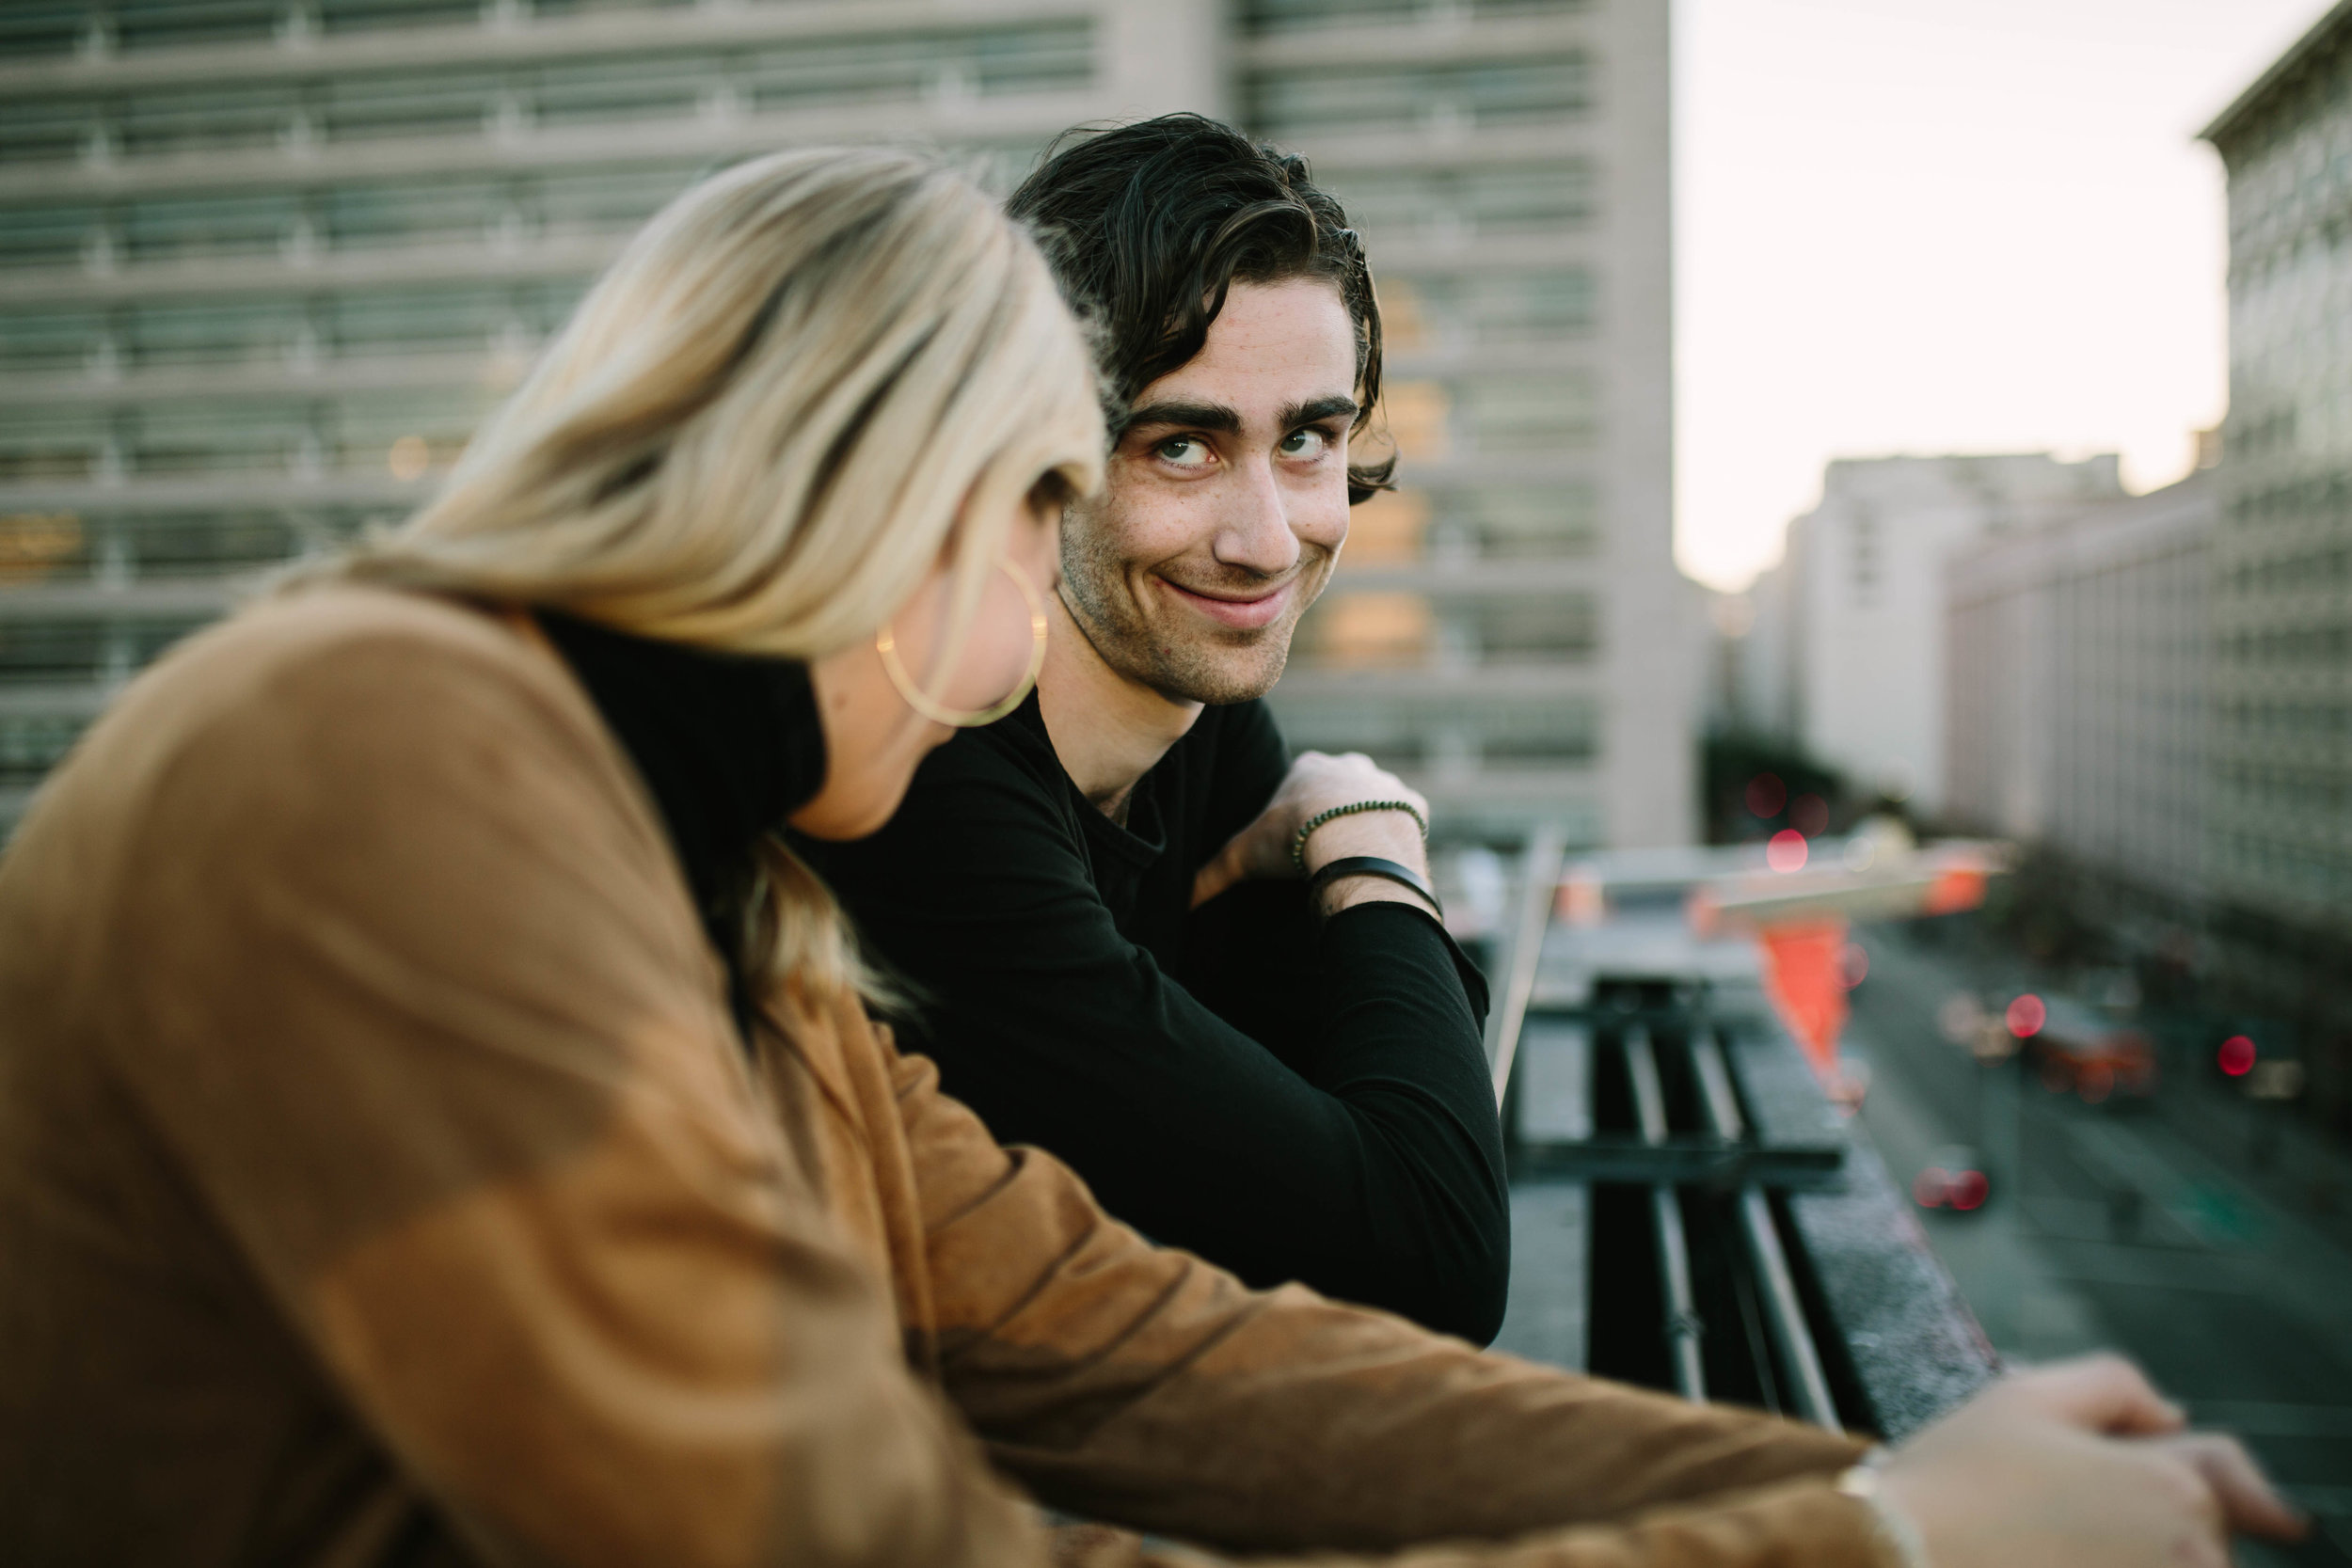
x,y
760,430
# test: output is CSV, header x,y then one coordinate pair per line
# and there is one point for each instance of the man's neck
x,y
1108,729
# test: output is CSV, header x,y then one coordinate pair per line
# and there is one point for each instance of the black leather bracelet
x,y
1374,866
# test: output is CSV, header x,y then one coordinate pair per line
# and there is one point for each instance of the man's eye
x,y
1184,452
1306,443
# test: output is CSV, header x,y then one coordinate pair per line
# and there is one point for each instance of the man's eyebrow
x,y
1317,408
1199,416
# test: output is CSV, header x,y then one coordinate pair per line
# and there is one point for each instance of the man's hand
x,y
2081,1465
1317,782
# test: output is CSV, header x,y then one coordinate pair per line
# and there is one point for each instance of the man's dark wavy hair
x,y
1148,225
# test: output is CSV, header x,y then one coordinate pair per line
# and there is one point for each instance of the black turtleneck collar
x,y
729,745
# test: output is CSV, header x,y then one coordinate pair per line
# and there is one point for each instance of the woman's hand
x,y
1317,782
2081,1465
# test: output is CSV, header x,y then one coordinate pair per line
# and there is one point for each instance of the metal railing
x,y
1729,1234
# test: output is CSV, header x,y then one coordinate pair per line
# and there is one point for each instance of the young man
x,y
1097,898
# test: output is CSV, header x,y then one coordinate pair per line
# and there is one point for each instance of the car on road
x,y
1953,1178
2080,1050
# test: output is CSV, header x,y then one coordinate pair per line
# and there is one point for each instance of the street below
x,y
2206,1236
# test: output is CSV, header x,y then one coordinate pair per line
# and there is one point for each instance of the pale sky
x,y
1924,226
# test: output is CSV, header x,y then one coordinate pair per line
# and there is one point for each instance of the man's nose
x,y
1255,533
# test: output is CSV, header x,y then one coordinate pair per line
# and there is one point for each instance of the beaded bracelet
x,y
1298,841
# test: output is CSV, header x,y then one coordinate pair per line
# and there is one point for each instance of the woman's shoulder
x,y
313,633
325,651
353,692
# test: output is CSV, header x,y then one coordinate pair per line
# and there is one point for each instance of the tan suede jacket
x,y
381,1183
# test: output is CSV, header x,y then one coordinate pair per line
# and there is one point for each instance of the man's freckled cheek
x,y
1168,527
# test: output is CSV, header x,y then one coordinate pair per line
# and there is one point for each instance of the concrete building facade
x,y
263,263
1853,616
1510,630
2281,782
2076,660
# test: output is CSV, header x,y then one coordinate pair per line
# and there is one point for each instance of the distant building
x,y
1849,647
1510,631
2282,759
263,263
2076,669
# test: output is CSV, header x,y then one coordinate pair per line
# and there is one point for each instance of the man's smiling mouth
x,y
1238,611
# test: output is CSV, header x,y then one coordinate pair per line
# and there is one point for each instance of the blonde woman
x,y
439,1125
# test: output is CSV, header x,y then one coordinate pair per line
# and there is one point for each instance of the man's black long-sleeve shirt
x,y
1289,1101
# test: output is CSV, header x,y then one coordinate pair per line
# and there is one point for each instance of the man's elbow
x,y
1467,1286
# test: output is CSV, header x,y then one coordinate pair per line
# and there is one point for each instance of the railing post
x,y
1683,1328
1539,879
1783,1312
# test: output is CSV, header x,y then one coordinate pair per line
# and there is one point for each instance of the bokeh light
x,y
1967,1190
2236,1055
1787,851
1766,795
1809,816
2026,1016
408,458
1854,964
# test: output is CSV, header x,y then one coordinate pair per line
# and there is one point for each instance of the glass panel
x,y
1512,521
213,331
34,546
604,91
44,652
239,438
1397,729
1475,307
1282,16
354,16
43,130
1036,59
444,103
1305,104
364,429
1367,632
208,226
598,7
36,27
1565,624
173,545
1484,201
1525,414
46,236
175,24
370,216
29,747
419,321
972,64
605,200
50,443
49,339
162,121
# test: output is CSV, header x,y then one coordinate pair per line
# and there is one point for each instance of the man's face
x,y
1227,502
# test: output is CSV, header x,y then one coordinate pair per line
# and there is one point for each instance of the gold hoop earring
x,y
886,645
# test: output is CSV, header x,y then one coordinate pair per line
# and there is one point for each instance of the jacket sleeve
x,y
426,1021
1135,1383
1366,1162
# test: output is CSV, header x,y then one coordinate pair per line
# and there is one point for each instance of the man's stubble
x,y
1217,667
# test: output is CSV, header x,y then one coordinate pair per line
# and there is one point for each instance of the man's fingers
x,y
2249,1504
1219,874
2098,1393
